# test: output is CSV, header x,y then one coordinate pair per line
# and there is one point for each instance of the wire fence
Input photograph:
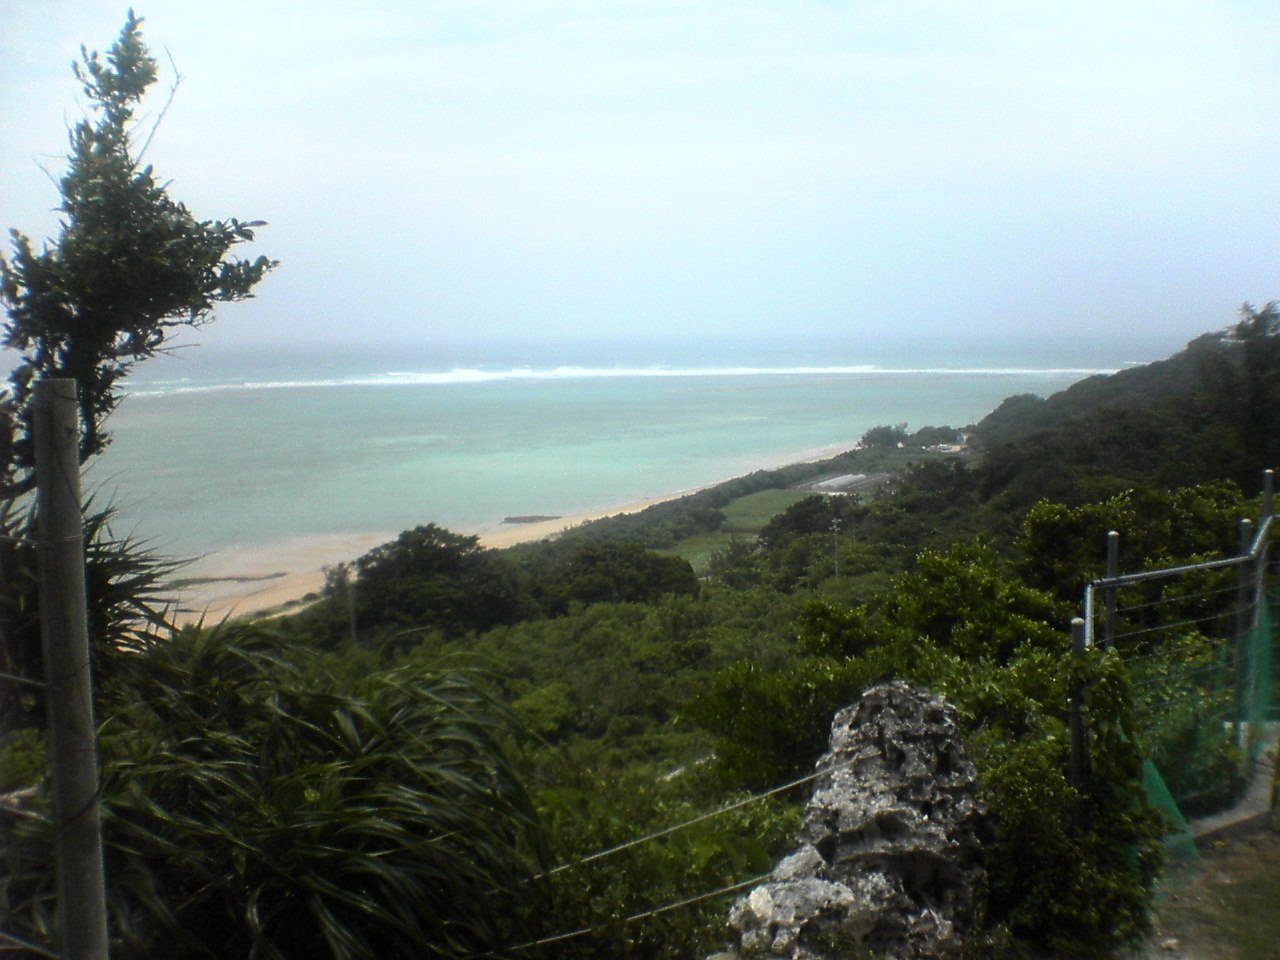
x,y
1198,642
683,900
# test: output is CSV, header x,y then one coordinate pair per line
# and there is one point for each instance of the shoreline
x,y
239,581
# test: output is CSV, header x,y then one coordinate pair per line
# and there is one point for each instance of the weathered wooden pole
x,y
82,914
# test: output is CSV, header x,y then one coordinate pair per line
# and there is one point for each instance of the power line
x,y
618,848
657,834
17,679
646,914
1169,626
1180,598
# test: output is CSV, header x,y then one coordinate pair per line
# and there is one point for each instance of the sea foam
x,y
472,375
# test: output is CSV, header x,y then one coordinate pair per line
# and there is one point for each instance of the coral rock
x,y
889,851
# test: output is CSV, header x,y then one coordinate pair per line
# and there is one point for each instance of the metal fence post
x,y
1113,569
1243,581
1079,772
1268,496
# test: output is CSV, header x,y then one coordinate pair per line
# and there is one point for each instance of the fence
x,y
1198,643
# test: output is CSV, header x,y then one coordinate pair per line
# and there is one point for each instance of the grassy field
x,y
744,519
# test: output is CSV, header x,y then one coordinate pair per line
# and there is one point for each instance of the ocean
x,y
220,449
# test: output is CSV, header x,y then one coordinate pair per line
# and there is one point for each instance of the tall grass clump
x,y
261,802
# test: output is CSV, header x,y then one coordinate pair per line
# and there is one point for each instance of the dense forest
x,y
425,758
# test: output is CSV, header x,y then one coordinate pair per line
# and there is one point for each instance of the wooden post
x,y
82,915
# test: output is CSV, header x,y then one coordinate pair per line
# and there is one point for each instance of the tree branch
x,y
173,92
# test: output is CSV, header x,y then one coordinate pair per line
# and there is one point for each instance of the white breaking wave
x,y
469,375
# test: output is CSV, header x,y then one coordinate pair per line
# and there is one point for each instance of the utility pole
x,y
82,914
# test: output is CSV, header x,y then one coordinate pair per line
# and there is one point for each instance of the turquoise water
x,y
222,450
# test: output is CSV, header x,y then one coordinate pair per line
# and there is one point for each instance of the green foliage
x,y
932,436
1097,851
744,518
1242,389
885,435
1064,547
434,578
962,623
254,807
771,725
1149,386
1209,412
828,630
806,543
125,592
815,514
607,672
961,600
588,814
611,573
1184,694
1095,456
1184,721
130,264
22,759
940,581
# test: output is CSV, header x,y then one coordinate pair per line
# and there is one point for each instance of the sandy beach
x,y
237,582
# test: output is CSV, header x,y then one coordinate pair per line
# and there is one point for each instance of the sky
x,y
696,168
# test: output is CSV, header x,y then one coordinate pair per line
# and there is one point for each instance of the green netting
x,y
1202,706
1179,843
1185,722
1257,679
1273,674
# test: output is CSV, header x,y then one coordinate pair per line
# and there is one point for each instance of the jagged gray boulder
x,y
888,860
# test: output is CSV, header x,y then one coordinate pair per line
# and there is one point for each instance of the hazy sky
x,y
550,167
